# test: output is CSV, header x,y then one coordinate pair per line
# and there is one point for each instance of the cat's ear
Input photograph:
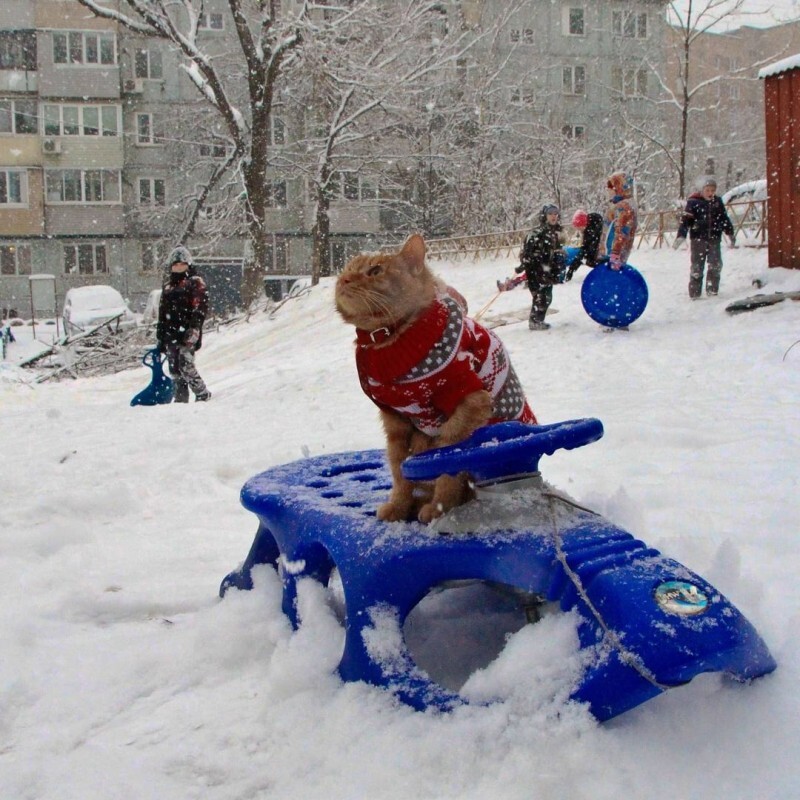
x,y
413,251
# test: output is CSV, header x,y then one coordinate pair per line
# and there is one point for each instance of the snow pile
x,y
123,675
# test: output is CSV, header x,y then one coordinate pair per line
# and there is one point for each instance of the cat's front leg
x,y
399,436
450,491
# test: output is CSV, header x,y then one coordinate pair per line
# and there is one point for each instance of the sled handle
x,y
152,356
502,451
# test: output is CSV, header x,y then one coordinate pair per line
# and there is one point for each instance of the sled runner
x,y
161,387
647,622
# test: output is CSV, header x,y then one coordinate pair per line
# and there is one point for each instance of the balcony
x,y
19,80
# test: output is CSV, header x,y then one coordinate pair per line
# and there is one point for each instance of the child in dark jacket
x,y
589,253
181,313
542,261
705,220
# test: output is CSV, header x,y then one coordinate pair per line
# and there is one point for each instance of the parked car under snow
x,y
752,190
86,307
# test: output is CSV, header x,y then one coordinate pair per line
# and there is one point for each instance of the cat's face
x,y
383,289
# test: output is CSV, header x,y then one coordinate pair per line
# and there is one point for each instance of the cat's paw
x,y
430,512
393,512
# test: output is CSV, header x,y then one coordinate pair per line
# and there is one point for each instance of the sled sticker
x,y
682,598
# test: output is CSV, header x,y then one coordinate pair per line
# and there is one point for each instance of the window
x,y
629,82
278,132
574,21
13,187
276,256
18,50
576,132
629,24
69,120
521,96
574,80
18,116
153,256
82,185
85,259
734,91
147,64
211,22
146,131
86,48
347,185
152,192
213,150
15,259
438,22
521,35
276,194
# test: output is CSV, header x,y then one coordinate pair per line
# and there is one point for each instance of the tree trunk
x,y
321,231
684,120
321,238
254,174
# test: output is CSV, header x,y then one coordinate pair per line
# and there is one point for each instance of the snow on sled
x,y
647,623
161,388
760,301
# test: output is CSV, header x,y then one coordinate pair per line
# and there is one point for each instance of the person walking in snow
x,y
179,332
542,261
621,219
591,226
705,220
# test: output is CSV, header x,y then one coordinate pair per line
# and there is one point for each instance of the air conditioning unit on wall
x,y
51,146
134,86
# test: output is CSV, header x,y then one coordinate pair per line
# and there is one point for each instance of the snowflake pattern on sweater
x,y
427,371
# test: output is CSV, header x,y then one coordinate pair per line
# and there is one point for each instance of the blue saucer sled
x,y
614,298
161,388
646,622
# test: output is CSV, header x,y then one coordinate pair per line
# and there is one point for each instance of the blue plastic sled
x,y
647,623
614,298
161,388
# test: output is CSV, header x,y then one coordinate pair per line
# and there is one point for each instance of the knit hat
x,y
708,181
180,254
550,208
580,219
621,183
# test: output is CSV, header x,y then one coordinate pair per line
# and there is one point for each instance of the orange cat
x,y
435,374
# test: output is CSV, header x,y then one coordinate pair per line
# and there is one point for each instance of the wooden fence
x,y
656,229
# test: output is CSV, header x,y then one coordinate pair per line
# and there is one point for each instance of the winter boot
x,y
181,391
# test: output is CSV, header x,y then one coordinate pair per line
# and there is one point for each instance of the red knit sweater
x,y
427,371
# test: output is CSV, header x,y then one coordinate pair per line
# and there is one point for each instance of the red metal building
x,y
782,109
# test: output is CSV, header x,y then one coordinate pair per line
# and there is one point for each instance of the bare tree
x,y
267,42
366,74
684,94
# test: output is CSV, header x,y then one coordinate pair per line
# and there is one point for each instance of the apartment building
x,y
104,145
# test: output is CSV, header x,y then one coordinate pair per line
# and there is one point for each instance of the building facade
x,y
104,145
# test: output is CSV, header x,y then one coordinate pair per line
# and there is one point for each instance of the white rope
x,y
628,657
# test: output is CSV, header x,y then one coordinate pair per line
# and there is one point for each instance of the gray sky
x,y
760,13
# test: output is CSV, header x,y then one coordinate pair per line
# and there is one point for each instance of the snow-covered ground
x,y
124,676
